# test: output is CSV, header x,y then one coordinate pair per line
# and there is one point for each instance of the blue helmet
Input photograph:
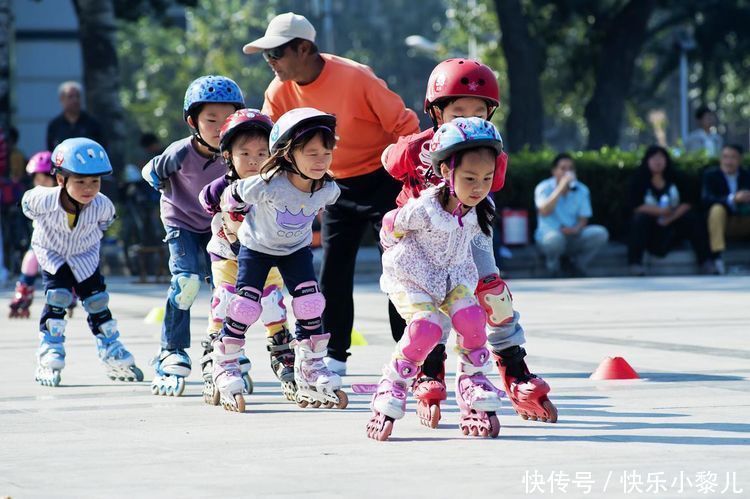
x,y
211,88
80,156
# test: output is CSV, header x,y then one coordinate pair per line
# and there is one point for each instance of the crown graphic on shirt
x,y
292,221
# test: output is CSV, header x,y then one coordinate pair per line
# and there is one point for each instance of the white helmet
x,y
296,122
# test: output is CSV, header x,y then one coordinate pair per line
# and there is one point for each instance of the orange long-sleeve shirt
x,y
369,115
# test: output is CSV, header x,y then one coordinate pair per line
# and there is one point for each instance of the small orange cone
x,y
614,368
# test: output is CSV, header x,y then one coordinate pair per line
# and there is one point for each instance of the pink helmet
x,y
40,162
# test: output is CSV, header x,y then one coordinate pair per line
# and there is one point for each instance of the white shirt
x,y
55,243
434,255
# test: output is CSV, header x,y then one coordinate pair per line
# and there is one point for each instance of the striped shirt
x,y
55,243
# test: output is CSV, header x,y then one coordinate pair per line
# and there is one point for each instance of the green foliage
x,y
606,173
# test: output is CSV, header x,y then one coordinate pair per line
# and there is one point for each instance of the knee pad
x,y
30,265
469,323
220,300
420,336
274,311
96,303
308,304
495,298
184,290
243,310
59,298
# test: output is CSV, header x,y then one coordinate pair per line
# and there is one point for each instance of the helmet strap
x,y
76,205
458,212
198,137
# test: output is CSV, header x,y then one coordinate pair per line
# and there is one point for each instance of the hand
x,y
230,203
742,196
388,235
571,231
209,208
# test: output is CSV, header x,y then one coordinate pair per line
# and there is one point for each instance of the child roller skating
x,y
466,88
281,203
429,274
69,221
40,169
185,167
243,141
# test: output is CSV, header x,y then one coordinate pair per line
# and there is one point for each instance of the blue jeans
x,y
295,269
187,254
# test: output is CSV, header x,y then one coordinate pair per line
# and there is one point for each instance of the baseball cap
x,y
281,29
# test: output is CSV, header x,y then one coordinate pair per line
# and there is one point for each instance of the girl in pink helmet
x,y
429,275
467,88
39,168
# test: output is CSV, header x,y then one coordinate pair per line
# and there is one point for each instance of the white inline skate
x,y
51,353
118,362
316,384
172,367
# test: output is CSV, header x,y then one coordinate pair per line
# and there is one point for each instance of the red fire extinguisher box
x,y
515,227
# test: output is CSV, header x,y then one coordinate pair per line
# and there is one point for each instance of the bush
x,y
607,174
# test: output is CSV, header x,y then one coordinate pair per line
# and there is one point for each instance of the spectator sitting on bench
x,y
563,210
661,217
726,196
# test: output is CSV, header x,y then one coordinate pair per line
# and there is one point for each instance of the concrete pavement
x,y
680,431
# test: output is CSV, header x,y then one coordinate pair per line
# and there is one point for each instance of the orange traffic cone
x,y
614,368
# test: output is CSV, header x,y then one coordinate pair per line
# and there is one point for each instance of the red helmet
x,y
462,78
244,119
40,162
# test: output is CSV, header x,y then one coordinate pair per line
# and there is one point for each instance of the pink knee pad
x,y
308,304
469,322
420,337
30,265
243,310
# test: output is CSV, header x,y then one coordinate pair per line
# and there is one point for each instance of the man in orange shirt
x,y
369,118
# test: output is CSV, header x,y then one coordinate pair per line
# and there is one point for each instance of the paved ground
x,y
681,431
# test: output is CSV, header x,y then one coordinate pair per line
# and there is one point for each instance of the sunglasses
x,y
276,53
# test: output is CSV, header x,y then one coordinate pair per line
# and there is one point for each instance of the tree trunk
x,y
524,56
6,38
97,28
623,38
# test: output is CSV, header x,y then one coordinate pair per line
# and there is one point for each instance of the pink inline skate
x,y
389,402
527,392
477,398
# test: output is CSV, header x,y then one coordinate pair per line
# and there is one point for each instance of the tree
x,y
524,55
622,38
97,28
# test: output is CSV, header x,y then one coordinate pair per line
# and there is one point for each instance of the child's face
x,y
463,107
314,159
82,189
44,180
473,177
210,119
248,155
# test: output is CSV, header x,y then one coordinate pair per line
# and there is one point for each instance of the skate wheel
x,y
380,427
215,397
494,427
239,402
316,404
302,403
550,410
168,391
137,373
343,399
155,389
180,387
248,383
434,416
328,405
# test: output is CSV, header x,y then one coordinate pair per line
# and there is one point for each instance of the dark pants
x,y
253,268
363,201
64,279
647,234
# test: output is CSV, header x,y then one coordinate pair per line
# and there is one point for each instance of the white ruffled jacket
x,y
434,255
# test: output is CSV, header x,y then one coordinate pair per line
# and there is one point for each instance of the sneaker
x,y
336,366
719,267
636,269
